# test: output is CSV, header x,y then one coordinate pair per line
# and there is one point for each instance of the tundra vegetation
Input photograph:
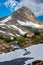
x,y
24,41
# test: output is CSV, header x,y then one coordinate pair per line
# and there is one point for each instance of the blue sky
x,y
4,10
9,6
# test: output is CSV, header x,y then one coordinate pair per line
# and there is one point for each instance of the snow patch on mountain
x,y
18,29
2,31
6,20
29,23
18,35
11,34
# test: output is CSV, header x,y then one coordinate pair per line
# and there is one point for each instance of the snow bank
x,y
36,52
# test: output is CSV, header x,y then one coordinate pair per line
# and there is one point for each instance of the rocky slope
x,y
19,23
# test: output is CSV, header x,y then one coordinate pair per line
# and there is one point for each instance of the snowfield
x,y
34,52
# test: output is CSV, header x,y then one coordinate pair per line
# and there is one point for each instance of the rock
x,y
4,47
29,35
38,62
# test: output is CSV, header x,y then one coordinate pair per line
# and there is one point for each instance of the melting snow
x,y
16,28
36,52
18,35
11,34
6,20
30,24
2,31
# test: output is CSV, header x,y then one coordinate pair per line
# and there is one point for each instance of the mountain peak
x,y
25,12
19,23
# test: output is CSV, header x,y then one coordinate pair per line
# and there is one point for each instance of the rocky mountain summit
x,y
19,23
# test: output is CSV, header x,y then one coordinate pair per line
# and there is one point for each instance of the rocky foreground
x,y
6,43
